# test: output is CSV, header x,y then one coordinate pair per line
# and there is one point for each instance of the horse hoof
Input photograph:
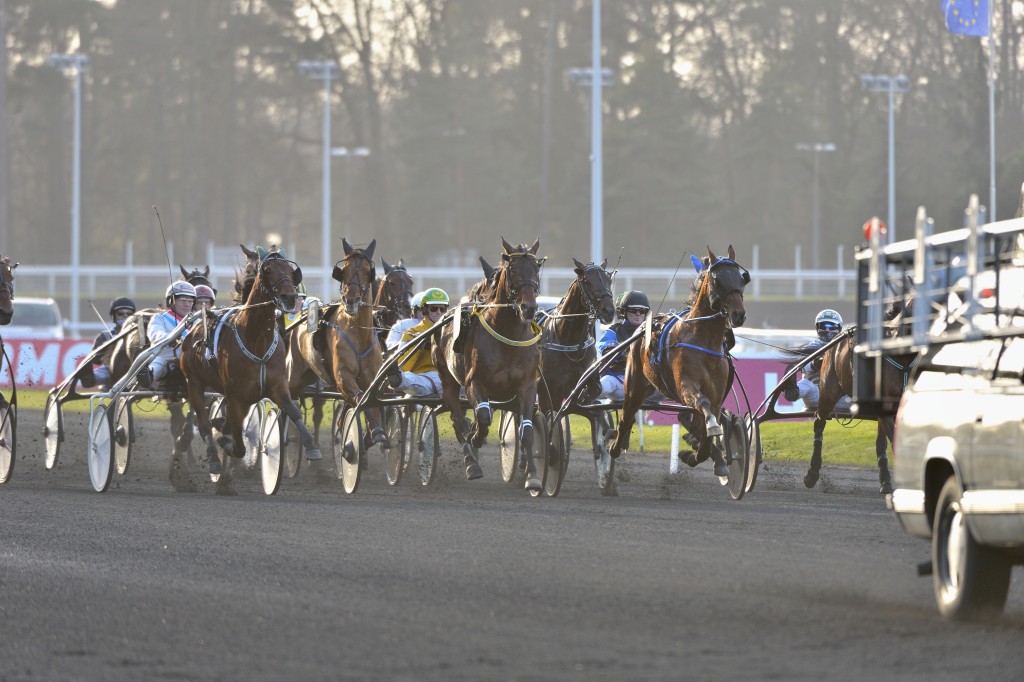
x,y
722,470
473,470
689,459
215,467
313,455
715,430
533,483
885,489
811,479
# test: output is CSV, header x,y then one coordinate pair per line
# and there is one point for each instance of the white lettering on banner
x,y
42,364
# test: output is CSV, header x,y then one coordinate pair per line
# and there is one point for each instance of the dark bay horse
x,y
392,296
568,346
682,358
343,350
495,356
836,380
248,363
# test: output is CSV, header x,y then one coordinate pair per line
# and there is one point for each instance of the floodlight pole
x,y
324,71
892,85
75,64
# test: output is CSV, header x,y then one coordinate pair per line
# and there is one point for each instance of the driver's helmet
x,y
121,303
828,323
632,299
177,290
204,292
434,296
417,299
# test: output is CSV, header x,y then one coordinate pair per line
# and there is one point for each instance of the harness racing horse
x,y
495,356
343,350
682,357
248,363
836,380
6,290
392,298
568,346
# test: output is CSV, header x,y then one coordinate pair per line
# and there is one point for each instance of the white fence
x,y
146,283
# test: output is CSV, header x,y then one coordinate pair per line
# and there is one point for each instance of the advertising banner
x,y
42,364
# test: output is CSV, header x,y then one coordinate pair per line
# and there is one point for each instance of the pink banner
x,y
42,364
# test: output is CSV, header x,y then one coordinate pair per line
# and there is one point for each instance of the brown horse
x,y
495,357
343,350
568,347
248,363
836,380
392,300
6,290
682,358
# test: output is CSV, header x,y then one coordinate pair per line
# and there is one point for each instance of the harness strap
x,y
352,345
905,368
562,348
534,327
261,362
700,348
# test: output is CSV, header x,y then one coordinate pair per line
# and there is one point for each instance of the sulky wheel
x,y
53,429
754,455
736,449
604,463
101,448
8,441
428,445
124,434
508,444
217,423
270,449
291,448
251,435
351,449
395,426
557,457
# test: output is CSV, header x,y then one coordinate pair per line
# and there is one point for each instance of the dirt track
x,y
469,580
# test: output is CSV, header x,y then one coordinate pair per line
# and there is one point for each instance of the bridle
x,y
339,274
273,290
514,291
404,294
588,295
715,295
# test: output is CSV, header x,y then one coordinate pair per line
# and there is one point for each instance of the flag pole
x,y
991,120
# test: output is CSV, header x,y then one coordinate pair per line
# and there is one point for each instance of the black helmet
x,y
121,303
631,299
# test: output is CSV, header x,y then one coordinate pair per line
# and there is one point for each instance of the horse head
x,y
6,289
519,280
276,277
396,289
725,280
596,284
197,276
355,272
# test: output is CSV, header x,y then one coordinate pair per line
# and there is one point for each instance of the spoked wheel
x,y
509,446
101,448
251,435
8,443
558,457
604,463
352,449
395,427
737,455
217,417
123,434
428,445
754,454
270,450
53,430
291,447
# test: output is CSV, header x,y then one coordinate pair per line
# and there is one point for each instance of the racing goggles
x,y
638,309
437,308
828,327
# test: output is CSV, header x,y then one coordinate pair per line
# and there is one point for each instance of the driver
x,y
180,298
827,324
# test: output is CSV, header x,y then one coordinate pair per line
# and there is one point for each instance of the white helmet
x,y
178,289
417,299
828,323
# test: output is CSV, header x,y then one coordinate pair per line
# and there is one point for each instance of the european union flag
x,y
969,17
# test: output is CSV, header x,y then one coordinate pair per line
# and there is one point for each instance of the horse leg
x,y
811,477
526,404
636,390
886,427
290,408
450,393
178,474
